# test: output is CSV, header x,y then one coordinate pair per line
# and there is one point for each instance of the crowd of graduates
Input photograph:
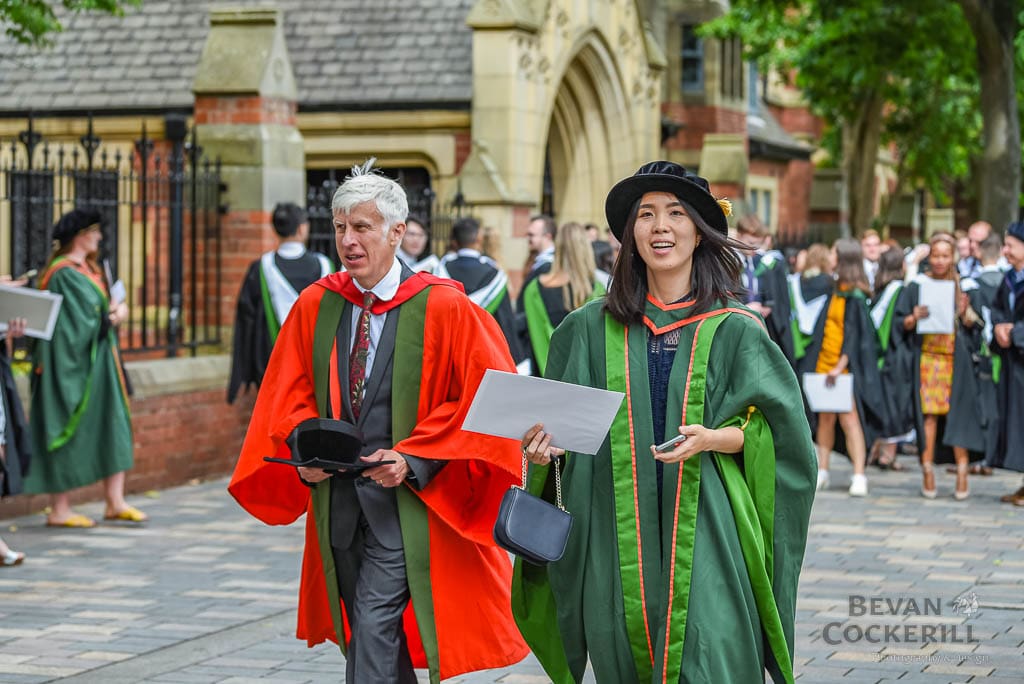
x,y
855,308
850,308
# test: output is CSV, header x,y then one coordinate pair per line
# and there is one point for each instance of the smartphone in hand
x,y
671,444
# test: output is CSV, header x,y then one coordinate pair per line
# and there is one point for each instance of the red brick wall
x,y
463,146
245,235
244,110
699,120
798,120
177,438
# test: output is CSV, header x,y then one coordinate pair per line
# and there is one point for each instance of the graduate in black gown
x,y
982,289
1008,333
16,446
486,284
945,388
271,286
897,360
766,279
845,341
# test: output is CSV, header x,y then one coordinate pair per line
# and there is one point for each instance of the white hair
x,y
365,185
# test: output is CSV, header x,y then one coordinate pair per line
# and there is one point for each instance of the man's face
x,y
872,247
365,243
1013,250
976,234
537,238
750,240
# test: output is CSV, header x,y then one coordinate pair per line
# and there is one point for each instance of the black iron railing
x,y
440,216
161,205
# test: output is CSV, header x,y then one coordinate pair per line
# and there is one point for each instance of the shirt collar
x,y
386,289
291,250
466,252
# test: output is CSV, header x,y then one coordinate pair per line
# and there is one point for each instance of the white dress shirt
x,y
385,290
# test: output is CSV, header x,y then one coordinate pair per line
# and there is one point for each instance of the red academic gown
x,y
470,576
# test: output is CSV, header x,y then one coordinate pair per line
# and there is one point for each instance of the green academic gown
x,y
704,589
81,430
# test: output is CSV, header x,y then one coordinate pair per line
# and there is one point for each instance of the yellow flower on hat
x,y
726,206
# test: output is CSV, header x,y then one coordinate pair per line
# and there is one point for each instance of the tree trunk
x,y
994,24
861,138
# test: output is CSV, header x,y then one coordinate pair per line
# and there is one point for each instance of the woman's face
x,y
665,235
833,259
88,241
941,259
415,240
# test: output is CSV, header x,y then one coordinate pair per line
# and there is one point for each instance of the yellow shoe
x,y
130,514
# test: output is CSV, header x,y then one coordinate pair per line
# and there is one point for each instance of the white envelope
x,y
939,296
39,308
835,399
576,417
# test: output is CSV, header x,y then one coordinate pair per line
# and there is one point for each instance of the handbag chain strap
x,y
558,479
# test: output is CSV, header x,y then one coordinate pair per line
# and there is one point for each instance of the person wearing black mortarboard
x,y
271,286
1008,343
79,393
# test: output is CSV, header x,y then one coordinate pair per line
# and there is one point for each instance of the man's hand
x,y
313,475
1002,332
390,475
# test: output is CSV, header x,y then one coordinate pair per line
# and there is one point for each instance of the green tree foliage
x,y
901,75
33,22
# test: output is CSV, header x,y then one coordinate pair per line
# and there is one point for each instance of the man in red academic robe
x,y
400,568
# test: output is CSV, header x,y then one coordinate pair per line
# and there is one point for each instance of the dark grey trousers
x,y
372,582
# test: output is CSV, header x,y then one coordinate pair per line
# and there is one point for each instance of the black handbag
x,y
529,526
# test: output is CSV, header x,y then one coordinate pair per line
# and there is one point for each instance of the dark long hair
x,y
890,268
715,273
850,265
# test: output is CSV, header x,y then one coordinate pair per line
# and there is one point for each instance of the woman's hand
x,y
119,314
830,377
728,440
920,312
537,447
16,327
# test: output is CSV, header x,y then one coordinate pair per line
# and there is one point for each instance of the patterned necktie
x,y
360,352
751,280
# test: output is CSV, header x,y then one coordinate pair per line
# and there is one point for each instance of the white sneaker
x,y
822,481
859,485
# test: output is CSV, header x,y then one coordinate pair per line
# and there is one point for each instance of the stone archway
x,y
574,87
590,136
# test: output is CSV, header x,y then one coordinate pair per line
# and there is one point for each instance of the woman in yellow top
x,y
844,341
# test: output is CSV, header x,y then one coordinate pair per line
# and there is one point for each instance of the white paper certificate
x,y
823,399
40,308
576,417
938,296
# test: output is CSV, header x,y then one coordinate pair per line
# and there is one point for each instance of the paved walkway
x,y
204,593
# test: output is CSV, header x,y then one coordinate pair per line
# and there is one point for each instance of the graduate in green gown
x,y
681,566
81,430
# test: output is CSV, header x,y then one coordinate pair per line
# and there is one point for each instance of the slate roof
x,y
769,139
345,53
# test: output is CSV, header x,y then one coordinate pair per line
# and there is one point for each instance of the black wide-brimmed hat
x,y
74,222
664,176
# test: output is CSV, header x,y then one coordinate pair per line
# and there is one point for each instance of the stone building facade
x,y
512,106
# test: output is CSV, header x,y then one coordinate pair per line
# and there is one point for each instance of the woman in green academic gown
x,y
81,430
681,566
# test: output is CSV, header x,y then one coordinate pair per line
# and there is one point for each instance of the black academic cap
x,y
74,222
